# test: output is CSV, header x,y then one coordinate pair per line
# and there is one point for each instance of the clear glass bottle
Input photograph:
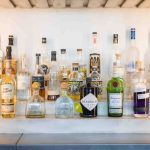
x,y
8,93
64,106
1,61
35,107
38,77
23,81
141,95
53,88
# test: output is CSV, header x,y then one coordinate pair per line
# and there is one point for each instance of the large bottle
x,y
1,61
23,81
38,77
88,99
115,89
8,92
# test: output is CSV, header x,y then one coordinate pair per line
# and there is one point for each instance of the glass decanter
x,y
35,107
64,106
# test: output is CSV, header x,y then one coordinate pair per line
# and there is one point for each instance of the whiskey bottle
x,y
35,107
88,99
94,55
115,89
38,77
23,81
8,92
1,61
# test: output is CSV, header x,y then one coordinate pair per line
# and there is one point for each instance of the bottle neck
x,y
64,93
35,92
8,67
94,40
133,42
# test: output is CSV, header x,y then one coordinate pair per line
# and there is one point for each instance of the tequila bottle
x,y
35,107
8,93
64,106
23,81
115,89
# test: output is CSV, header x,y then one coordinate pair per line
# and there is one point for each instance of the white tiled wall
x,y
71,29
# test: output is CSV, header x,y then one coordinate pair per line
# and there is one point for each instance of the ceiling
x,y
74,3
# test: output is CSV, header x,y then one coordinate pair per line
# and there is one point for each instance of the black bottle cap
x,y
88,80
63,51
94,32
44,40
53,55
38,54
8,52
11,40
115,38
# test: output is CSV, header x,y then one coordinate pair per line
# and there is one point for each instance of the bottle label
x,y
115,100
140,88
23,82
7,91
89,101
7,108
40,80
34,107
131,67
143,96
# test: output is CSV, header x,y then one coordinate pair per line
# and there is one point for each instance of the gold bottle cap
x,y
35,85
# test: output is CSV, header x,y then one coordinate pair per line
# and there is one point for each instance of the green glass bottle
x,y
115,89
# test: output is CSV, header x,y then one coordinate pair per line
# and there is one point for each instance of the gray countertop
x,y
74,141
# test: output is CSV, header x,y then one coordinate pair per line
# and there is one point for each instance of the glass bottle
x,y
140,95
64,106
1,61
115,89
23,81
35,107
53,88
38,77
94,55
88,99
8,92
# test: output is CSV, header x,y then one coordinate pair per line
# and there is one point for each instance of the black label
x,y
40,80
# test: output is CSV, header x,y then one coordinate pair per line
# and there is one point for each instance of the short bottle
x,y
23,81
64,106
88,99
8,92
115,89
35,107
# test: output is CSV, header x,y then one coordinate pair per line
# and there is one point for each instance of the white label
x,y
140,88
115,100
7,91
23,82
143,96
89,101
131,67
34,107
7,108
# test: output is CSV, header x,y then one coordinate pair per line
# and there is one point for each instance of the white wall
x,y
71,29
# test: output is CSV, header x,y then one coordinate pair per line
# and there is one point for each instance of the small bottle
x,y
35,107
8,93
64,106
141,96
38,77
53,88
23,81
88,99
115,89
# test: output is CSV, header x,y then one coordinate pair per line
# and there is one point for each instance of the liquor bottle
x,y
45,61
94,55
53,88
8,93
141,95
38,77
8,58
88,99
35,107
23,81
115,89
117,57
64,106
1,61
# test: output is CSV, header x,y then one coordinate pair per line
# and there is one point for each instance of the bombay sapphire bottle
x,y
64,107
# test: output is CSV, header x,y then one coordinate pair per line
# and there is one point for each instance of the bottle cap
x,y
53,55
35,85
94,32
63,51
79,50
11,40
115,38
8,52
44,40
38,54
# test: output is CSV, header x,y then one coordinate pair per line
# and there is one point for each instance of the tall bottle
x,y
1,61
115,89
38,77
141,95
23,81
88,99
8,92
94,55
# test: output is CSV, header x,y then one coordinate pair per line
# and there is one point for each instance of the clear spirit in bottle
x,y
23,81
64,106
8,93
89,102
35,107
38,77
115,89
